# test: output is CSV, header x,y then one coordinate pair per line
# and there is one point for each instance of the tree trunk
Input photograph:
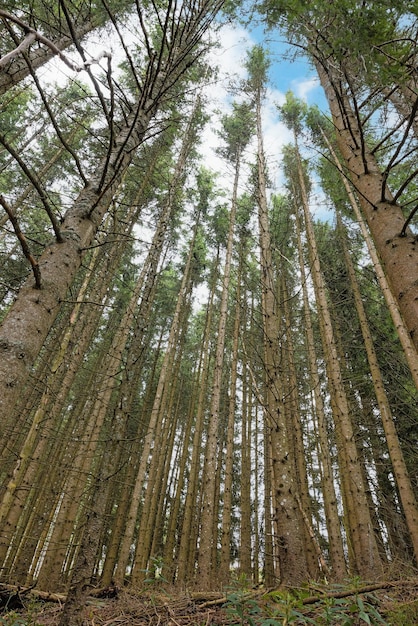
x,y
207,568
398,251
291,549
336,550
365,551
187,547
400,471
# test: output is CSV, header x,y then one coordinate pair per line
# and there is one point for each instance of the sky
x,y
286,73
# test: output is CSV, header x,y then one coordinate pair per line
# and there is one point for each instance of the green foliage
x,y
257,65
153,573
378,36
237,130
293,112
242,607
219,224
290,169
13,619
405,613
205,180
279,608
26,618
349,612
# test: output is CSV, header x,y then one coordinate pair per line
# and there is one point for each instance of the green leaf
x,y
365,617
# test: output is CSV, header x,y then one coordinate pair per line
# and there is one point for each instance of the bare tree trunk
x,y
187,548
226,532
291,548
400,471
295,425
397,247
336,549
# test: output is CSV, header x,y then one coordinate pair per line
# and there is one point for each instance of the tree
x,y
324,32
288,517
359,524
236,133
34,310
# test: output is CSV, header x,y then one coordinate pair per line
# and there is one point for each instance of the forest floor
x,y
391,603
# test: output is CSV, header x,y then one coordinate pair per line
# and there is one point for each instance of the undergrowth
x,y
354,603
280,608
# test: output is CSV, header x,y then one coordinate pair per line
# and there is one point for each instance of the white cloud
x,y
233,44
230,58
303,88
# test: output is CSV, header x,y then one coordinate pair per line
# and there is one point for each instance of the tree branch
x,y
36,183
35,35
23,241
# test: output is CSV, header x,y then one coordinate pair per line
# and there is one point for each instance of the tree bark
x,y
398,251
400,471
290,542
336,549
207,568
365,552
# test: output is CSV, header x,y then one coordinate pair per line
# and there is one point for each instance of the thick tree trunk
x,y
397,250
28,322
400,471
290,542
408,346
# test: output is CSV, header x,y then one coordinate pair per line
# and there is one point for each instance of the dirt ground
x,y
394,603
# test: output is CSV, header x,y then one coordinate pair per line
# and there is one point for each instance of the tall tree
x,y
365,551
325,32
28,322
400,471
236,133
288,517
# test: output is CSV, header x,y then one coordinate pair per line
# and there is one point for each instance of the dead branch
x,y
23,241
48,596
30,38
345,593
34,35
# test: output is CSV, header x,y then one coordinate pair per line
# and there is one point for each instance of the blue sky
x,y
289,69
286,74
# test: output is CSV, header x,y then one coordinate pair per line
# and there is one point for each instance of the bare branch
x,y
123,44
38,186
408,221
400,145
23,241
86,62
30,38
47,42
